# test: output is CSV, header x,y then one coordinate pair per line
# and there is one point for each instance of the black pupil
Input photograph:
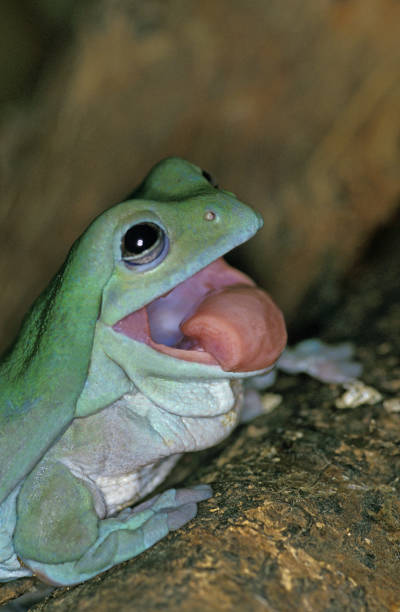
x,y
141,237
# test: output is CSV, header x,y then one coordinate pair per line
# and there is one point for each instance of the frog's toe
x,y
179,506
171,499
178,517
176,507
197,493
327,363
186,500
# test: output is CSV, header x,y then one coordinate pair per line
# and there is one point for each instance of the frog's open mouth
x,y
216,317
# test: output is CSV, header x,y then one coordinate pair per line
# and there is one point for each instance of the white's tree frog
x,y
133,355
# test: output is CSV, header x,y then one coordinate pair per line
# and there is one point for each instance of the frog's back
x,y
42,376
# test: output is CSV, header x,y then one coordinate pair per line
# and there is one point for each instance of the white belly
x,y
126,489
126,450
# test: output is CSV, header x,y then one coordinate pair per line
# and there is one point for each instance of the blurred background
x,y
294,106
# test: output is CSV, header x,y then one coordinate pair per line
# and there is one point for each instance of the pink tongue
x,y
240,326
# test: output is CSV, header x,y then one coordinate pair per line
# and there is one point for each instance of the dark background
x,y
292,105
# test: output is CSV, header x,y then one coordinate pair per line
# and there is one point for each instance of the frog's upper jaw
x,y
215,317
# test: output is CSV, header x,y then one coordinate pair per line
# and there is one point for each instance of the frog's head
x,y
170,288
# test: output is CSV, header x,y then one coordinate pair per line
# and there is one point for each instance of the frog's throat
x,y
215,317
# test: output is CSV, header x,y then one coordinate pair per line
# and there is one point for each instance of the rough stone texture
x,y
292,105
306,511
16,588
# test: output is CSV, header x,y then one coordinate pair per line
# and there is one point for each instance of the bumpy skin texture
x,y
92,420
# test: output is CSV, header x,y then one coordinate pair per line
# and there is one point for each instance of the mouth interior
x,y
216,317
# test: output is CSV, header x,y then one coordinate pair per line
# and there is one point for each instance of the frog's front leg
x,y
328,363
253,404
61,539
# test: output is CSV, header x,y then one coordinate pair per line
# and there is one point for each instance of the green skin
x,y
70,383
69,363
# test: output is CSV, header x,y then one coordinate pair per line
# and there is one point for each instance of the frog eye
x,y
143,243
210,179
